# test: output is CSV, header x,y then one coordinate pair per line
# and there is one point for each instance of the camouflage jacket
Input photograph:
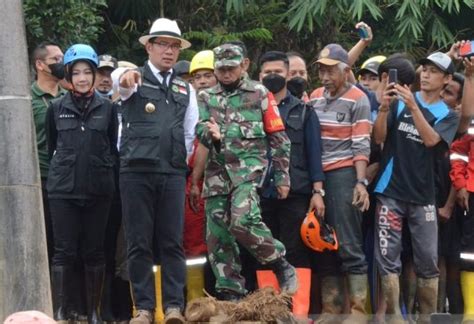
x,y
249,124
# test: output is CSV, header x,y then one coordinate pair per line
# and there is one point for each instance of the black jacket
x,y
295,117
82,147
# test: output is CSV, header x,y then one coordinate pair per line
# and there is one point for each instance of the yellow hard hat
x,y
202,60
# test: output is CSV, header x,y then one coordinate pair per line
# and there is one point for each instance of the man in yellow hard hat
x,y
201,70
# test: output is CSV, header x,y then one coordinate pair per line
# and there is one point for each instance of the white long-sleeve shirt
x,y
191,116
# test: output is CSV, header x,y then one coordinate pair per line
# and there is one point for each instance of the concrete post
x,y
24,274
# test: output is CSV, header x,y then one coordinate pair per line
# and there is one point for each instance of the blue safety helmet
x,y
80,52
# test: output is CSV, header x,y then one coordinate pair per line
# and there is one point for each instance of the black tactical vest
x,y
152,126
82,166
294,126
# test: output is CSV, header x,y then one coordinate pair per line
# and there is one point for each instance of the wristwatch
x,y
319,192
364,182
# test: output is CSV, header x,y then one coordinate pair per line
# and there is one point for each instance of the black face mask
x,y
57,70
296,86
231,86
274,82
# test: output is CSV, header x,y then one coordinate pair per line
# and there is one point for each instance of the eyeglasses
x,y
165,46
56,59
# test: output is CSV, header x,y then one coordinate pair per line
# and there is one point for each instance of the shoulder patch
x,y
179,89
179,82
271,119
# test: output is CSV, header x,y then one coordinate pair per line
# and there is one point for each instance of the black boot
x,y
94,282
61,277
286,275
229,295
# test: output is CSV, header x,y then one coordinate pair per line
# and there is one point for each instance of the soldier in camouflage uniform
x,y
238,122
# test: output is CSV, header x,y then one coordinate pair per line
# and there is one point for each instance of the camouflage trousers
x,y
236,218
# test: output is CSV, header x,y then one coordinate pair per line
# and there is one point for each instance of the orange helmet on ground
x,y
317,234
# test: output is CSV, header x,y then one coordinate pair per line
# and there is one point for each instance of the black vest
x,y
294,119
152,126
82,166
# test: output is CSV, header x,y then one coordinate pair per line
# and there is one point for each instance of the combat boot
x,y
229,295
94,282
286,275
391,294
427,296
61,280
357,297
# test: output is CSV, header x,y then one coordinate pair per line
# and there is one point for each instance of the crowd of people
x,y
353,198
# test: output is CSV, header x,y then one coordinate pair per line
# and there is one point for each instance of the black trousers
x,y
153,218
111,233
47,220
284,219
79,223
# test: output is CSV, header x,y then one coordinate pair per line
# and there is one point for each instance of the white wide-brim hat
x,y
29,317
165,27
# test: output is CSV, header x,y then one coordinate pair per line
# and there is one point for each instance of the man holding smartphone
x,y
414,127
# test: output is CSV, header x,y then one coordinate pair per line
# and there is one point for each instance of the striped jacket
x,y
345,127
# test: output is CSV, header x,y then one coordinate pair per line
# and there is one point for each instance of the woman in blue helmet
x,y
82,134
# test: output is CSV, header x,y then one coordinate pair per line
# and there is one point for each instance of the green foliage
x,y
114,26
63,21
310,12
237,6
415,21
219,36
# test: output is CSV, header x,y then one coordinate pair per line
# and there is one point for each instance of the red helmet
x,y
317,234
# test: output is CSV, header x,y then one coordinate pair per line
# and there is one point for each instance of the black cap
x,y
181,68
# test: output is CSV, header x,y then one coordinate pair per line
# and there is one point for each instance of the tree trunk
x,y
24,274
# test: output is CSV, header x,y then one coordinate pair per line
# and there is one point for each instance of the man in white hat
x,y
159,114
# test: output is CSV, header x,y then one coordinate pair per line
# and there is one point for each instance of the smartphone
x,y
466,50
392,78
363,33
